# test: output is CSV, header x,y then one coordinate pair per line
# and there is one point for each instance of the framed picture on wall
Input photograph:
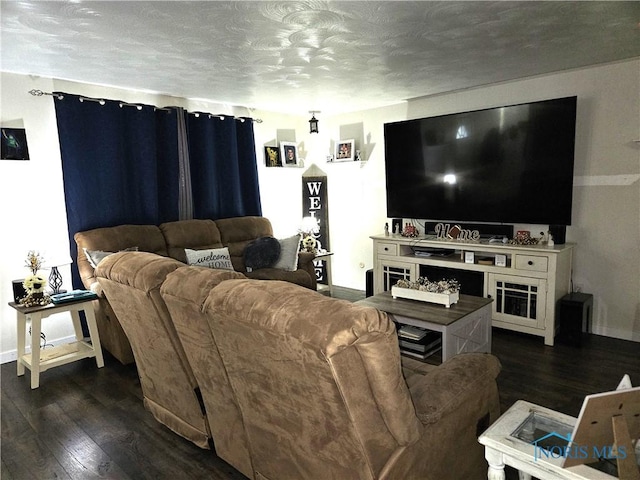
x,y
289,154
272,157
345,151
13,144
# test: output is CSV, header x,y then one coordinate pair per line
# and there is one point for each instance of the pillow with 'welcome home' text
x,y
212,258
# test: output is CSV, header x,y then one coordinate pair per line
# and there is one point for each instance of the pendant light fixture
x,y
313,123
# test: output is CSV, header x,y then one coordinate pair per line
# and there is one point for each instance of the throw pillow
x,y
288,253
263,252
213,258
96,256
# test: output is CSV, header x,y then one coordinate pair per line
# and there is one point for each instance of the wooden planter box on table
x,y
446,299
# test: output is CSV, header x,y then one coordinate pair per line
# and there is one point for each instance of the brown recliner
x,y
131,282
184,292
146,238
320,390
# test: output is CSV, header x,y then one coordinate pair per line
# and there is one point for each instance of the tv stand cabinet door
x,y
388,272
518,301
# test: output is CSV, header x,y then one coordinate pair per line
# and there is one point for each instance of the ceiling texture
x,y
297,56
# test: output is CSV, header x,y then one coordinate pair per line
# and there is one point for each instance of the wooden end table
x,y
40,360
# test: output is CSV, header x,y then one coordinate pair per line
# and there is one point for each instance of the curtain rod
x,y
101,101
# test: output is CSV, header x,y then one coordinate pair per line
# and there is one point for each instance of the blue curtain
x,y
120,165
224,172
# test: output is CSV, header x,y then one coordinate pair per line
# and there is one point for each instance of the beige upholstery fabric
x,y
192,234
319,387
131,282
184,292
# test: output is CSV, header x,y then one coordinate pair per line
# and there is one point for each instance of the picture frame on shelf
x,y
289,154
345,151
272,157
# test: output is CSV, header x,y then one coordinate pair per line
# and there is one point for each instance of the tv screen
x,y
511,164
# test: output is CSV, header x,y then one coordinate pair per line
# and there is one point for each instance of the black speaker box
x,y
369,282
18,290
575,312
559,233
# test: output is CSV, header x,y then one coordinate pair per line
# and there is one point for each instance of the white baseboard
x,y
12,355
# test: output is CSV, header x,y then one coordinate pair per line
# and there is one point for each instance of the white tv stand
x,y
526,290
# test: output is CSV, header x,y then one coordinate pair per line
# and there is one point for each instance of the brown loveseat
x,y
170,240
301,386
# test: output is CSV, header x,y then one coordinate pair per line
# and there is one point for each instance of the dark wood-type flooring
x,y
85,423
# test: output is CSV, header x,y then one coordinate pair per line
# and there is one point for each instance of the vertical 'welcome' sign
x,y
314,204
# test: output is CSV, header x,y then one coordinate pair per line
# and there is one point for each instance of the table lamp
x,y
55,278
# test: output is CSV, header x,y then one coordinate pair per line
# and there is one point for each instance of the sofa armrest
x,y
96,288
450,386
305,262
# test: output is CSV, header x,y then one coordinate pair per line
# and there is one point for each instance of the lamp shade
x,y
309,225
59,260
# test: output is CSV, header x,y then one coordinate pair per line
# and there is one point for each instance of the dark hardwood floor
x,y
85,423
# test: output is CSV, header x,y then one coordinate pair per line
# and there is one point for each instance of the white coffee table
x,y
501,449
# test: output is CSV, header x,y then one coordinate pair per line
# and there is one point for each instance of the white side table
x,y
501,449
326,256
41,360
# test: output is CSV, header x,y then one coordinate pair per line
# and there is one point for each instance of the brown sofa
x,y
170,240
305,386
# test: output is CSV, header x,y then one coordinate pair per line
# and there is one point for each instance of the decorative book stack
x,y
418,342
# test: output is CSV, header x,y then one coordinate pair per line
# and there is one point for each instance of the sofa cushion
x,y
190,234
288,253
263,252
210,258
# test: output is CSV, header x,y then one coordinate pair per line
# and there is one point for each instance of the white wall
x,y
606,217
33,213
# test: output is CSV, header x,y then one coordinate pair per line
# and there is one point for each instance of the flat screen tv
x,y
511,164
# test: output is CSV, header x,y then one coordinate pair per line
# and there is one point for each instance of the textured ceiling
x,y
296,56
